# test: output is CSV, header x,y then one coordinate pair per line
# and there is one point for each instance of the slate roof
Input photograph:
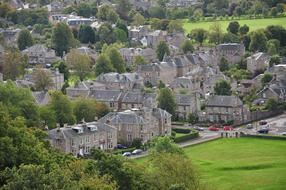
x,y
36,48
69,132
41,97
184,99
125,117
137,97
229,46
160,113
223,101
105,95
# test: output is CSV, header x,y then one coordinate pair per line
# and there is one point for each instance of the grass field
x,y
240,164
253,24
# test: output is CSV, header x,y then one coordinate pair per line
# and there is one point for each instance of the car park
x,y
126,154
137,151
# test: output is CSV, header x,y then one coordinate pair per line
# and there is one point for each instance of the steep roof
x,y
105,95
224,101
125,117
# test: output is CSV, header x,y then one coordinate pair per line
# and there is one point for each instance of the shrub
x,y
192,135
179,130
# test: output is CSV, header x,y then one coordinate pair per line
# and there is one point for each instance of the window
x,y
110,145
132,105
129,137
111,104
87,140
72,142
129,128
109,135
94,137
166,121
87,150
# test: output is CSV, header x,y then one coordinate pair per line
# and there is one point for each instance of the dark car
x,y
120,146
262,122
264,131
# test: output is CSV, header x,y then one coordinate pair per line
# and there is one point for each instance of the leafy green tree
x,y
137,143
106,13
274,60
273,46
24,39
79,63
63,68
101,109
271,104
175,26
273,11
123,7
138,19
84,9
192,118
13,65
62,107
233,27
116,60
187,47
165,145
230,38
200,35
223,65
121,35
243,29
277,32
162,3
84,108
42,78
258,41
166,100
86,34
106,34
103,65
161,85
222,88
157,12
162,50
266,79
215,34
5,8
62,38
48,117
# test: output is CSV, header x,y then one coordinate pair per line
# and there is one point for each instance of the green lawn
x,y
181,134
240,164
253,23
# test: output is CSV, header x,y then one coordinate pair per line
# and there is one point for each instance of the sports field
x,y
240,164
253,24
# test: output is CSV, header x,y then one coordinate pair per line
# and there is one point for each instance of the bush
x,y
192,135
179,130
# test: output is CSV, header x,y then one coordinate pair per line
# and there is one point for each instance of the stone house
x,y
138,100
188,83
112,98
258,62
182,3
81,138
276,90
129,54
141,4
186,104
124,81
155,37
55,7
41,97
145,124
83,88
137,33
232,52
10,35
225,109
39,54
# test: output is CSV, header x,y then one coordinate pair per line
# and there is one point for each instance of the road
x,y
204,137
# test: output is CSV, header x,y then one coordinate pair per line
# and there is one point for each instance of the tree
x,y
199,35
62,38
266,79
162,50
121,35
187,47
166,100
273,11
24,39
84,108
223,65
42,78
175,26
161,85
244,29
169,169
230,38
106,34
274,60
271,104
165,145
215,34
86,34
233,27
106,13
101,109
192,118
157,12
273,46
162,3
277,32
222,88
116,60
123,7
62,107
103,65
258,41
138,19
13,65
47,117
79,63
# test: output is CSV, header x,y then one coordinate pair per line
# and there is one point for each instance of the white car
x,y
126,154
283,133
137,151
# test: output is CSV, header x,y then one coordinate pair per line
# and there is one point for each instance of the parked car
x,y
228,128
137,151
199,128
120,146
249,126
126,154
283,133
262,122
213,129
263,130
